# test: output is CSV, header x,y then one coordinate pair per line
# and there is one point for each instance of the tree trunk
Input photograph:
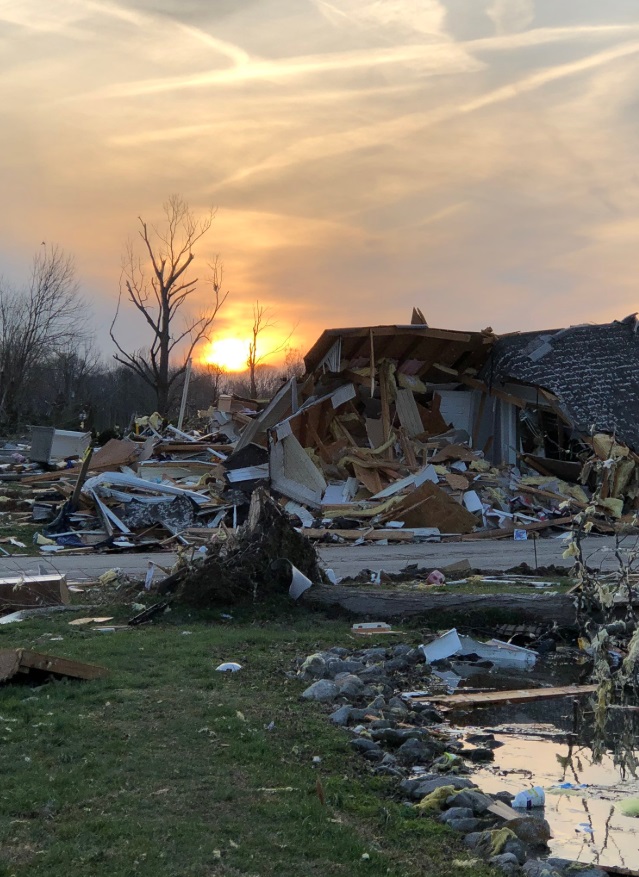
x,y
393,602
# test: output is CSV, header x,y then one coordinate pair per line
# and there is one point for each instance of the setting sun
x,y
229,353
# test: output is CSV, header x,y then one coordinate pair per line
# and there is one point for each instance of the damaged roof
x,y
417,349
592,369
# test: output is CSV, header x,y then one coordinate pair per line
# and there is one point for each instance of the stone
x,y
419,788
376,654
396,736
516,848
367,748
535,868
401,650
479,755
464,825
349,685
337,665
323,691
414,752
314,666
575,869
474,839
339,651
396,703
532,830
428,714
359,715
397,665
475,800
414,656
485,740
341,715
380,724
456,813
504,796
507,863
373,673
378,703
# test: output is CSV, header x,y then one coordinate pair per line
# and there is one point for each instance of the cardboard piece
x,y
429,506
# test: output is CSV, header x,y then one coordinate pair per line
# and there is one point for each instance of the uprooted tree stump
x,y
251,565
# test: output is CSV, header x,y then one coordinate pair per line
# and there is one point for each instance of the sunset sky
x,y
476,158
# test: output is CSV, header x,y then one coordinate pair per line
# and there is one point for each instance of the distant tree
x,y
158,285
38,323
263,319
294,366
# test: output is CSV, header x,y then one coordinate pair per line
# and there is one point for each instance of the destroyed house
x,y
536,395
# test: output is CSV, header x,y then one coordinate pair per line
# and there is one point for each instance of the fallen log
x,y
393,602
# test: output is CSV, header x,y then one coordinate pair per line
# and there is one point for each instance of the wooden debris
x,y
24,592
520,695
22,662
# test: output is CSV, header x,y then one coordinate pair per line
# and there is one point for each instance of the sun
x,y
228,353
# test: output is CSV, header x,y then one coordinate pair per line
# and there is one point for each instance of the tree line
x,y
51,371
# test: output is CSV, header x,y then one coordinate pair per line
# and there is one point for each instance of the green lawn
x,y
167,767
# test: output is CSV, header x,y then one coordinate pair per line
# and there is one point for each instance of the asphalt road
x,y
343,559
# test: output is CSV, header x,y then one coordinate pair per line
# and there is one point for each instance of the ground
x,y
168,767
349,559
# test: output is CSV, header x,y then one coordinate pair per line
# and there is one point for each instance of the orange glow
x,y
228,353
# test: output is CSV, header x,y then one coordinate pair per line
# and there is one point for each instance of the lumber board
x,y
518,695
14,661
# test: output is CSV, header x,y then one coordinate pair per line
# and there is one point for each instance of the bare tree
x,y
263,319
36,323
159,286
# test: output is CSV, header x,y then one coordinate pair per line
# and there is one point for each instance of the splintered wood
x,y
521,695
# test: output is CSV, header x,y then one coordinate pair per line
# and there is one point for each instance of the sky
x,y
475,158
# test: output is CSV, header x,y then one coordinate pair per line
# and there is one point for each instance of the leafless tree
x,y
36,323
263,319
159,286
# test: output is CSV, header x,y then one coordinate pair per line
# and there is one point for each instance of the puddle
x,y
537,750
585,822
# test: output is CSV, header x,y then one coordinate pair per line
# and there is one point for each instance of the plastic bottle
x,y
529,798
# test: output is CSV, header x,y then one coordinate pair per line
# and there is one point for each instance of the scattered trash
x,y
77,622
443,647
370,628
527,799
229,667
436,578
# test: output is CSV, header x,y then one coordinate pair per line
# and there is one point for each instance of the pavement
x,y
345,560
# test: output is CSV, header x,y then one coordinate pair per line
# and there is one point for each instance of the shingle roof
x,y
592,369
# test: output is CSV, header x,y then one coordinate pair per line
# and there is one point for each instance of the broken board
x,y
519,695
22,662
24,592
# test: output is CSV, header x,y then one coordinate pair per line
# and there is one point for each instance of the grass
x,y
168,767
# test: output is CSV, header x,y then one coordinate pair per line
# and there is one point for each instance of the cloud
x,y
511,15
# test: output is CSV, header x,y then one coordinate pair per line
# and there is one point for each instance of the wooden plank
x,y
519,695
23,592
408,412
14,661
61,666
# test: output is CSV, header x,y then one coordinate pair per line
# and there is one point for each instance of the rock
x,y
341,715
339,651
504,796
535,868
396,703
397,665
373,673
374,654
475,800
414,752
380,724
532,830
349,685
414,656
337,665
377,703
487,741
401,650
464,825
575,869
389,759
419,788
478,756
314,666
507,863
396,736
358,715
516,848
428,713
323,691
456,813
474,839
367,748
